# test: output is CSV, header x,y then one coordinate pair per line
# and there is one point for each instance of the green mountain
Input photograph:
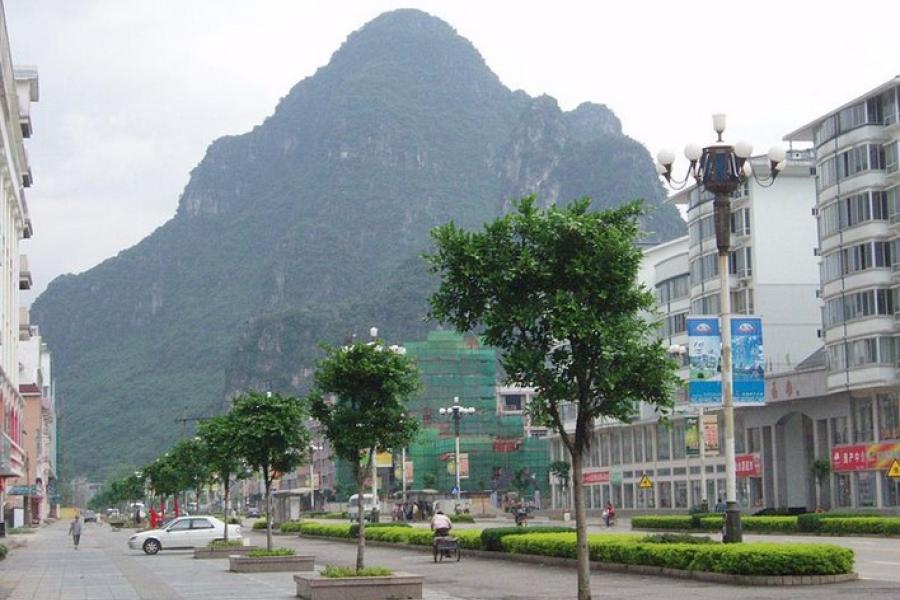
x,y
309,228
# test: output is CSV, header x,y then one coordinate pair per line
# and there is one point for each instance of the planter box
x,y
223,552
313,586
266,564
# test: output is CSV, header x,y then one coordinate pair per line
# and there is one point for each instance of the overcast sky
x,y
133,91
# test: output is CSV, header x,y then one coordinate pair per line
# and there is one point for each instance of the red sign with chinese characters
x,y
747,465
595,477
864,457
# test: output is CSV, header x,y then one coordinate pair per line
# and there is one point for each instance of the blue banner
x,y
747,361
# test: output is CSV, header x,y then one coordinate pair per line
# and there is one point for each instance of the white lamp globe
x,y
692,152
660,170
665,157
777,154
743,149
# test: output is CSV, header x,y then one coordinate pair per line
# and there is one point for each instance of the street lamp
x,y
721,169
457,412
312,486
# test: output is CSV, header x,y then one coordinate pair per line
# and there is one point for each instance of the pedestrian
x,y
720,505
75,529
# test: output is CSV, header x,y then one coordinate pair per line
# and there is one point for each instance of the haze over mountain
x,y
309,228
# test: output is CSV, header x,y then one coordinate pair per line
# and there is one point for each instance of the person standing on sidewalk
x,y
75,530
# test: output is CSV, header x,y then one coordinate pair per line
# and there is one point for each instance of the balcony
x,y
24,324
12,458
24,273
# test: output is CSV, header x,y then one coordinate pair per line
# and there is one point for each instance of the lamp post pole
x,y
721,169
456,411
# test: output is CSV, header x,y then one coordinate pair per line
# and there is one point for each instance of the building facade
x,y
775,274
19,90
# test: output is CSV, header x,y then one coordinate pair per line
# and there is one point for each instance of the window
x,y
742,302
892,196
638,444
850,163
858,305
201,524
662,442
672,289
648,443
513,402
678,440
826,130
701,230
627,446
704,268
888,416
673,325
865,489
707,305
754,439
182,525
681,494
890,157
740,222
740,262
863,427
856,258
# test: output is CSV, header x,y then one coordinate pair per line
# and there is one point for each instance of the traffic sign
x,y
455,490
894,471
645,482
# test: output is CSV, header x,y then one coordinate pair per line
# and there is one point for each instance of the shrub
x,y
354,529
333,571
291,527
261,524
3,551
711,523
663,522
742,559
224,544
469,538
769,523
490,538
676,538
318,529
462,518
272,552
860,525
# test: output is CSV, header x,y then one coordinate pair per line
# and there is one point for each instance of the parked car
x,y
253,512
184,532
90,516
370,503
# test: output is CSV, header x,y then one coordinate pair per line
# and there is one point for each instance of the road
x,y
48,568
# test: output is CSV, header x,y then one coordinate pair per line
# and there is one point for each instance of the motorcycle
x,y
520,516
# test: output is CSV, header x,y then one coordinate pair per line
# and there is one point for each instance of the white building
x,y
18,89
775,275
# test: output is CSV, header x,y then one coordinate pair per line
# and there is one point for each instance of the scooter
x,y
520,516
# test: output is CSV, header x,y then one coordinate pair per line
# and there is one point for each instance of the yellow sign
x,y
645,483
894,471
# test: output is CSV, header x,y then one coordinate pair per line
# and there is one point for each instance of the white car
x,y
184,532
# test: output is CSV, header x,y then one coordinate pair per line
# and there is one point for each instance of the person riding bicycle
x,y
609,514
441,524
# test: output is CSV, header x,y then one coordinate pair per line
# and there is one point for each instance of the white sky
x,y
133,91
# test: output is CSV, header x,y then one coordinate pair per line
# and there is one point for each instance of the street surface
x,y
47,568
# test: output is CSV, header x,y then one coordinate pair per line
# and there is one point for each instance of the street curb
x,y
883,536
554,561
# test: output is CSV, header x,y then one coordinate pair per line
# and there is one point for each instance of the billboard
x,y
692,437
747,361
711,435
463,464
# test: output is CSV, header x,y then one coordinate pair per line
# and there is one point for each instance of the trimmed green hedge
x,y
861,525
272,552
738,559
354,528
321,530
261,524
671,522
328,515
490,538
676,538
336,572
786,524
291,526
462,518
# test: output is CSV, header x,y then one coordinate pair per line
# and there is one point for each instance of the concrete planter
x,y
312,586
267,564
223,552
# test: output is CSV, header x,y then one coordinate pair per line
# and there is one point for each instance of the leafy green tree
x,y
223,456
163,478
272,438
370,385
190,461
556,291
820,469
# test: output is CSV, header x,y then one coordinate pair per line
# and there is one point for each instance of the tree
x,y
163,478
272,438
556,291
371,386
189,459
820,469
223,456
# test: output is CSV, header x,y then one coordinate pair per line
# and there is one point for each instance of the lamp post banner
x,y
748,361
705,354
692,437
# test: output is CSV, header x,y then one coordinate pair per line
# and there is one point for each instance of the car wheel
x,y
151,546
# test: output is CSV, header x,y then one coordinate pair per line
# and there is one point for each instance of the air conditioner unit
x,y
815,212
819,333
818,293
815,252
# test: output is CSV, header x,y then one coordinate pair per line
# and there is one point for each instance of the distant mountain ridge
x,y
309,228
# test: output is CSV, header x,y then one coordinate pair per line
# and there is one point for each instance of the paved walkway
x,y
48,568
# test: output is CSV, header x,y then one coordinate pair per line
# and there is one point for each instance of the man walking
x,y
75,530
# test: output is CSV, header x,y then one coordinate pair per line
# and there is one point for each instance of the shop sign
x,y
864,457
595,477
22,490
747,465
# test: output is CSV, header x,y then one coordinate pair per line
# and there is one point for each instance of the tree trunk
x,y
225,502
581,545
361,538
268,484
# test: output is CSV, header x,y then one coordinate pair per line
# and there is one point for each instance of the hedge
x,y
3,551
354,528
786,524
857,525
322,530
738,559
463,518
490,538
261,524
291,526
671,522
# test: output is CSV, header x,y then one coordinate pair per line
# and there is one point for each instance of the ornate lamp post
x,y
457,412
721,169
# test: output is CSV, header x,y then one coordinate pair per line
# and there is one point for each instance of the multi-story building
x,y
36,387
18,89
